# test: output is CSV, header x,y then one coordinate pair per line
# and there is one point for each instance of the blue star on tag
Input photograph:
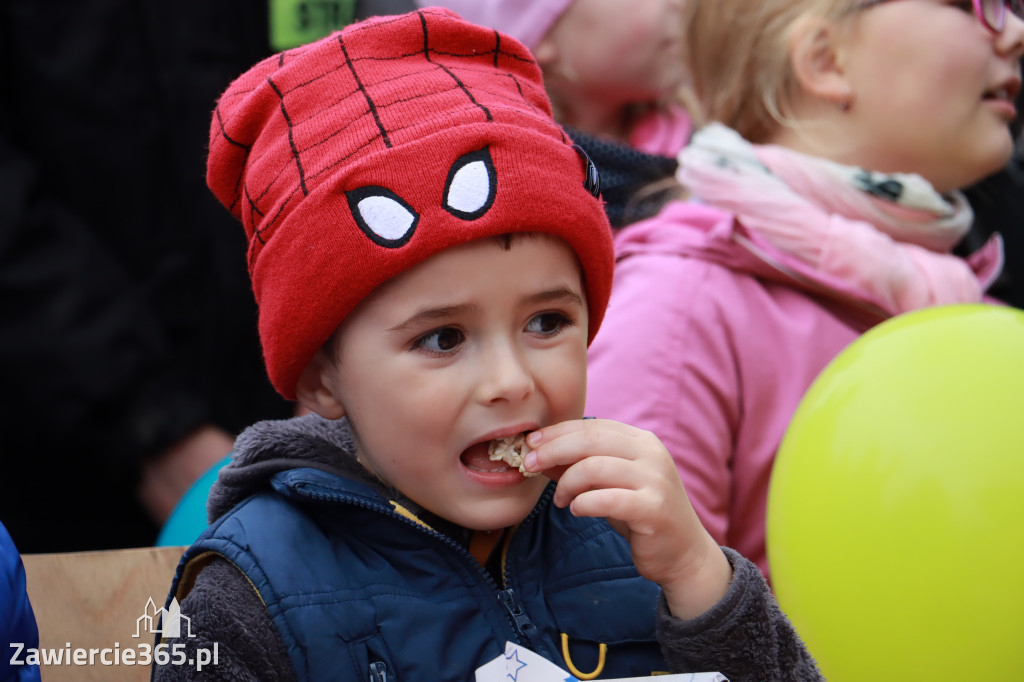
x,y
515,673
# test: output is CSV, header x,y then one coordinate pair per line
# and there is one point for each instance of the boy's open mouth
x,y
476,457
498,455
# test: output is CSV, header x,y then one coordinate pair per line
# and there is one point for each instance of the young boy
x,y
431,262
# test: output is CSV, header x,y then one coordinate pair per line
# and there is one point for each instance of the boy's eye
x,y
965,6
443,340
547,324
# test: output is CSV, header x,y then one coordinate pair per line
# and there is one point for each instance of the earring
x,y
844,105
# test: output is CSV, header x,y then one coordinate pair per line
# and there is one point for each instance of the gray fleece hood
x,y
270,447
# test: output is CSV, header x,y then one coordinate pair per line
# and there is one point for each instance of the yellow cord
x,y
602,652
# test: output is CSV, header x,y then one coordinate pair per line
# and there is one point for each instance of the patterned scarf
x,y
888,235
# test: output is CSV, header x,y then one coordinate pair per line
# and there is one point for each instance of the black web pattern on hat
x,y
392,109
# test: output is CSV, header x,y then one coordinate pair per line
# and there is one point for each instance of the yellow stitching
x,y
602,652
408,514
193,567
251,583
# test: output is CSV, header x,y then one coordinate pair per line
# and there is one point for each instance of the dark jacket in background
x,y
126,317
998,203
634,184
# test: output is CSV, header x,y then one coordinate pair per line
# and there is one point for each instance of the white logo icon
x,y
169,620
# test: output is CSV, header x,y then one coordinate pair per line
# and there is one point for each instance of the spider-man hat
x,y
351,159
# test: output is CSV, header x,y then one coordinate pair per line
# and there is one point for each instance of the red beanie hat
x,y
353,158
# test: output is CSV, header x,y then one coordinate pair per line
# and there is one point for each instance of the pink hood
x,y
712,235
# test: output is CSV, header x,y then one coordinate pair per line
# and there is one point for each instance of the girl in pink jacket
x,y
825,200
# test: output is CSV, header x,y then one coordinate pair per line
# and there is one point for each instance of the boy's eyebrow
x,y
430,314
427,315
554,295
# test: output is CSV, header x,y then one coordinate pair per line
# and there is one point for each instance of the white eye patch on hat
x,y
388,220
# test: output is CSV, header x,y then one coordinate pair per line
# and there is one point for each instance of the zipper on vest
x,y
520,623
378,671
523,625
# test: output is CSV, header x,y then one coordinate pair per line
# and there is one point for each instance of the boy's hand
x,y
609,469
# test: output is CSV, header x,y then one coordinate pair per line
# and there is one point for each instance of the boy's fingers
x,y
566,443
554,473
590,427
619,507
599,504
598,473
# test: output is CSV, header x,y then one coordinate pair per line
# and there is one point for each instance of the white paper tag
x,y
522,665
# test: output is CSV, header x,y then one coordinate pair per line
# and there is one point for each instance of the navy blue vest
x,y
360,589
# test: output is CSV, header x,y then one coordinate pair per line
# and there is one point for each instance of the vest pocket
x,y
593,662
606,627
590,659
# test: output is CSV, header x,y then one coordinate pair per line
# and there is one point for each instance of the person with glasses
x,y
991,13
826,199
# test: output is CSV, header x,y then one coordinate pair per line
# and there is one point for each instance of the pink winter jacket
x,y
711,339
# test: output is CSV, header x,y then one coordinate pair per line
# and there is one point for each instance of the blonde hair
x,y
738,55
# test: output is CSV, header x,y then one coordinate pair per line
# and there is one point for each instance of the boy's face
x,y
475,343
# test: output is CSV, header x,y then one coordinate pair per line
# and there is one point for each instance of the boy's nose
x,y
505,377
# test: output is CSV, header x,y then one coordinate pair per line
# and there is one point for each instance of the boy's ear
x,y
816,55
313,390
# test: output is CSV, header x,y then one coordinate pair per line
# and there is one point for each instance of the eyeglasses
x,y
991,13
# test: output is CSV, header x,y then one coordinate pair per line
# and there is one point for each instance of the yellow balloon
x,y
895,528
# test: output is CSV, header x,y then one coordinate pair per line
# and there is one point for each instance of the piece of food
x,y
511,450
